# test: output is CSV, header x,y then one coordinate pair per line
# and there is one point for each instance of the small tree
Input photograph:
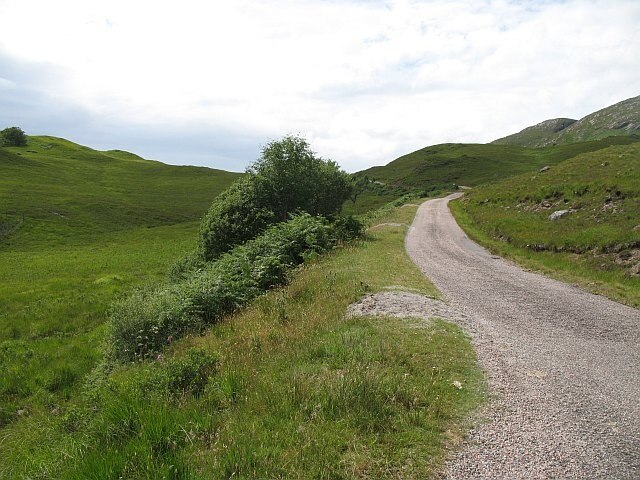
x,y
286,179
290,177
13,137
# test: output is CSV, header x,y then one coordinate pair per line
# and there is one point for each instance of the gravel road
x,y
563,365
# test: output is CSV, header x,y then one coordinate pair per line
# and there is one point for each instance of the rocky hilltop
x,y
623,118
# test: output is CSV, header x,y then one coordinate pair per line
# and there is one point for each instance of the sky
x,y
211,82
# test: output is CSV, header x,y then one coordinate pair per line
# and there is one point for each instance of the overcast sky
x,y
210,82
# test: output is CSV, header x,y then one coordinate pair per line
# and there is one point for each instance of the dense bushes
x,y
253,234
287,178
145,322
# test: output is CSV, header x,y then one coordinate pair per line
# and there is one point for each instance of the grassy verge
x,y
288,388
578,221
587,271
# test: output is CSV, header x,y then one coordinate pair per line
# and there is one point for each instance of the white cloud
x,y
366,81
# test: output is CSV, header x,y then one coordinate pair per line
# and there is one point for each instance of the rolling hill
x,y
56,191
623,118
78,228
442,166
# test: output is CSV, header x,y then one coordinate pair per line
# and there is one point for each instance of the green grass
x,y
295,390
78,228
442,166
597,245
55,302
59,193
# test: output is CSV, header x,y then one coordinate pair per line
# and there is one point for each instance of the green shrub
x,y
348,228
13,137
142,324
236,215
288,178
145,322
186,267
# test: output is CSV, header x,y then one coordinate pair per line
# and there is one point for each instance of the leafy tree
x,y
13,137
290,177
287,178
235,216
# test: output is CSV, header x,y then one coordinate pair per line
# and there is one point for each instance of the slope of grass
x,y
597,243
288,388
58,192
79,227
442,166
366,202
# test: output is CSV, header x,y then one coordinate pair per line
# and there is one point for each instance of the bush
x,y
13,137
236,215
290,177
186,267
348,228
287,178
148,320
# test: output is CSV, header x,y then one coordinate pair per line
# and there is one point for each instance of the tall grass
x,y
288,388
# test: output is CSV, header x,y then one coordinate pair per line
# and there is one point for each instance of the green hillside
x,y
595,242
55,191
442,166
623,118
78,228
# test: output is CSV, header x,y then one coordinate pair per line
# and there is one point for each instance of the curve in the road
x,y
564,364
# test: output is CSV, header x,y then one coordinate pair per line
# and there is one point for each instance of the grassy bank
x,y
78,228
288,388
595,244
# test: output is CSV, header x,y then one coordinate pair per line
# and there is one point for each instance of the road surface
x,y
563,364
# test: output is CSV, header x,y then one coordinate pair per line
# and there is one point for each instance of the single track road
x,y
563,364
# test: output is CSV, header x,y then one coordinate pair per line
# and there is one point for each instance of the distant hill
x,y
441,166
54,190
623,118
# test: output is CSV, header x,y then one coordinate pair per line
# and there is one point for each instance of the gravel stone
x,y
563,365
404,305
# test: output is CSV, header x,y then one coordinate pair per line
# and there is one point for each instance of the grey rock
x,y
559,214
